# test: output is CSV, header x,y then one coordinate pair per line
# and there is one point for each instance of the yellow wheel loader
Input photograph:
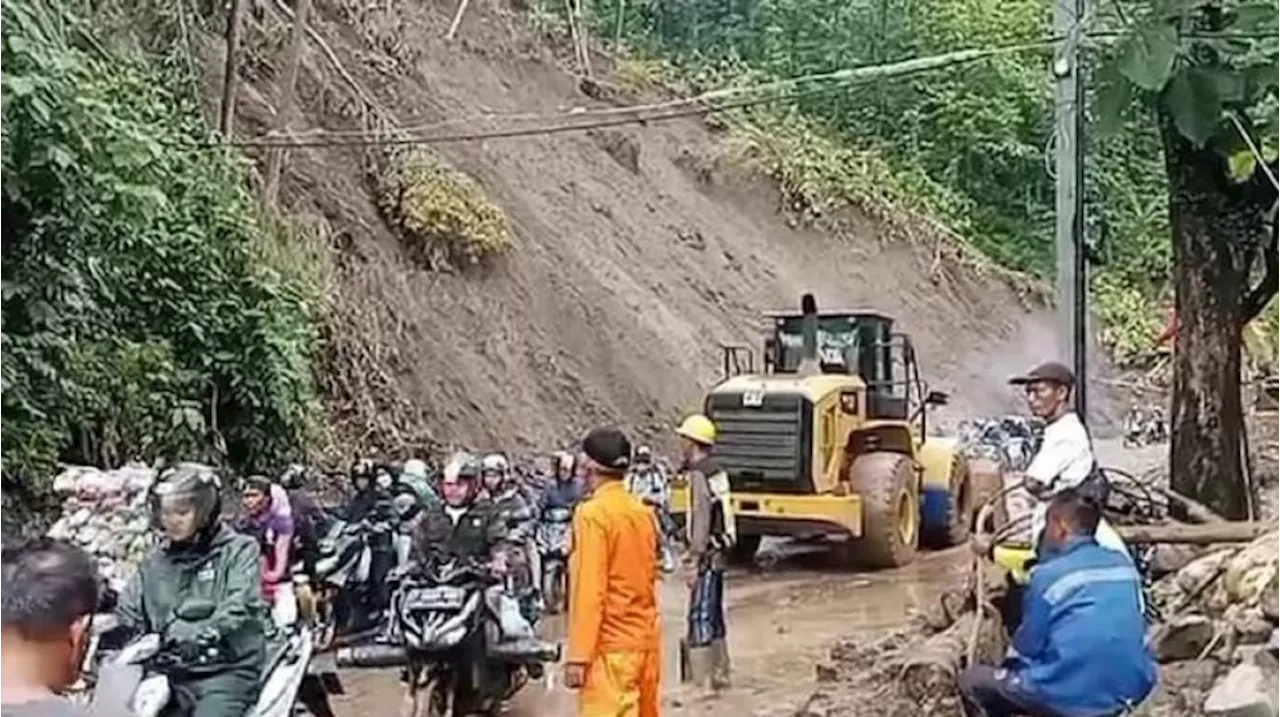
x,y
829,442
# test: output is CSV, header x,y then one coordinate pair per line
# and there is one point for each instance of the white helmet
x,y
495,462
414,468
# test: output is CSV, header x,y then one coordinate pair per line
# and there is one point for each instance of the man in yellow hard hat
x,y
710,531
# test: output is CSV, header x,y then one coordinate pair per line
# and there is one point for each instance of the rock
x,y
1168,558
1182,638
1189,675
1247,654
1246,691
825,673
1250,572
1249,625
1270,602
1201,570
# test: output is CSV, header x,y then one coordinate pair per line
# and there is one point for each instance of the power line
x,y
654,112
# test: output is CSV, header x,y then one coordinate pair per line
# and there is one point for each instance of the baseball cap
x,y
1052,372
609,448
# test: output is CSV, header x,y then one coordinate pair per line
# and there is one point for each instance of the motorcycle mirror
x,y
195,610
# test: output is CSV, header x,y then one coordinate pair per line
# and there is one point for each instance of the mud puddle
x,y
781,623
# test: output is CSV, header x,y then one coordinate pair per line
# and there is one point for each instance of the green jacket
x,y
225,571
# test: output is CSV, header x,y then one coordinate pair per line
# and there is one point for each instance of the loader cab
x,y
856,343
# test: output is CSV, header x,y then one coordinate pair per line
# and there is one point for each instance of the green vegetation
x,y
967,144
443,216
141,313
1203,73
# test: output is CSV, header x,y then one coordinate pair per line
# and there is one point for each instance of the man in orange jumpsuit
x,y
614,654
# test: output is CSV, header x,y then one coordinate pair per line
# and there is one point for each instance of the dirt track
x,y
781,623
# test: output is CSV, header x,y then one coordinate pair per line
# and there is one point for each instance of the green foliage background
x,y
140,316
967,143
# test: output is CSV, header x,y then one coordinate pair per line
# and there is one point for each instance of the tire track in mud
x,y
781,623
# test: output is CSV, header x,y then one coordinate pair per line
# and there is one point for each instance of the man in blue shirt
x,y
1080,650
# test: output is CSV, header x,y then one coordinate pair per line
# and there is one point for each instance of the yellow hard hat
x,y
699,429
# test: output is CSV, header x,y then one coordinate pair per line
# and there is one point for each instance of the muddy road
x,y
782,622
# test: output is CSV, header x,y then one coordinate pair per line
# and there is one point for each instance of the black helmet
x,y
469,468
193,487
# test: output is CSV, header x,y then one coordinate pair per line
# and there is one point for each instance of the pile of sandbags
x,y
105,512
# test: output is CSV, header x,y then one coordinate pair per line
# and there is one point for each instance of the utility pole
x,y
1069,238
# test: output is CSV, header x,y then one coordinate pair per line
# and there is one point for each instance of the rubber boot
x,y
720,679
701,665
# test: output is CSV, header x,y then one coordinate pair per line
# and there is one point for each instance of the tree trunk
x,y
1217,229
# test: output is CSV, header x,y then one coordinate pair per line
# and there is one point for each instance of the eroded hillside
x,y
637,251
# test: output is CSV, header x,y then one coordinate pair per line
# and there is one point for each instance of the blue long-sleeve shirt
x,y
1081,647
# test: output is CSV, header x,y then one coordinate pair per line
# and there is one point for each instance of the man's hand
x,y
689,571
981,544
115,687
1041,491
575,675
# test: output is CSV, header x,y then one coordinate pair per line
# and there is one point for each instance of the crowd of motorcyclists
x,y
264,569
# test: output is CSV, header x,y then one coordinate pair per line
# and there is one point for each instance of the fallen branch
x,y
1196,512
1225,532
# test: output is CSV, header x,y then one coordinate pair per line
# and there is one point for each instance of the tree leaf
x,y
1240,165
1230,84
1115,95
1262,78
1146,56
1193,101
1255,16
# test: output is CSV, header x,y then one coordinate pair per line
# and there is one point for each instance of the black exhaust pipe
x,y
371,656
809,336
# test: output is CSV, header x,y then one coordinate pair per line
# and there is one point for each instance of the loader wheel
x,y
959,509
890,509
744,550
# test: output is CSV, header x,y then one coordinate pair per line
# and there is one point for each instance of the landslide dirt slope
x,y
625,276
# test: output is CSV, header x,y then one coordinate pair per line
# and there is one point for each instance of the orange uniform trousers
x,y
622,684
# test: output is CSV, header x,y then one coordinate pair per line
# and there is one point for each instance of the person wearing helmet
x,y
309,518
518,518
463,526
466,527
268,519
200,561
565,489
414,475
710,531
648,481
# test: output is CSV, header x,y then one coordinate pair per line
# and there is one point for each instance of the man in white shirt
x,y
1065,458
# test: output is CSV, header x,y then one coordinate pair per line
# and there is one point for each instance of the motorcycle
x,y
348,600
447,636
358,549
554,538
149,660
